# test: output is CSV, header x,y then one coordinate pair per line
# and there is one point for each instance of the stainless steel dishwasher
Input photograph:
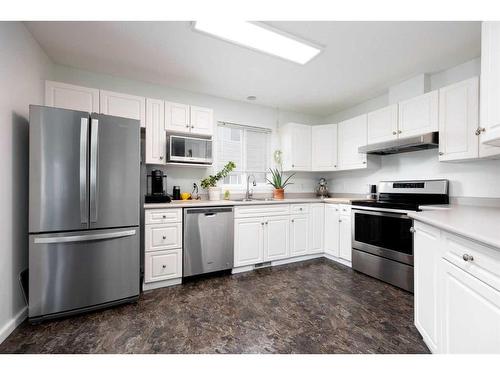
x,y
208,240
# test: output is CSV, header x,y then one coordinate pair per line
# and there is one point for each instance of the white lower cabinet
x,y
426,262
299,235
316,227
276,238
338,231
457,298
345,237
248,241
162,247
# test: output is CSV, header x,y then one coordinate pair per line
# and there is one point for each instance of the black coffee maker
x,y
156,189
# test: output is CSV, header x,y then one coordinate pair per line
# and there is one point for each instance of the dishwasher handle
x,y
208,211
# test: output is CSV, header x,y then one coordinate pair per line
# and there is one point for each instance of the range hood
x,y
397,146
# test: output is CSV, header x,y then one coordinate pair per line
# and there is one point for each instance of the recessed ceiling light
x,y
261,38
251,97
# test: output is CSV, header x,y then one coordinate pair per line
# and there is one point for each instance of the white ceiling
x,y
360,60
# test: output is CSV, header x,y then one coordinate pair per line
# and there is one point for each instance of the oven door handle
x,y
382,213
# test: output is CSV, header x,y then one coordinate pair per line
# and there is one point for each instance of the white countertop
x,y
477,223
207,203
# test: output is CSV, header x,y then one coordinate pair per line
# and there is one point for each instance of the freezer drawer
x,y
72,271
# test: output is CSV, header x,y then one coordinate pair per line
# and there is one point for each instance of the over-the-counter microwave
x,y
184,149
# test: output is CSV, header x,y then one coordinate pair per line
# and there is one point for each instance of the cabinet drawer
x,y
261,210
172,215
162,265
485,264
299,209
163,236
344,209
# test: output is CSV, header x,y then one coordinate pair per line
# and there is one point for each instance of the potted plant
x,y
278,183
210,182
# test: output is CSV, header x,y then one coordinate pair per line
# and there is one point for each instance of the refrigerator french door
x,y
83,211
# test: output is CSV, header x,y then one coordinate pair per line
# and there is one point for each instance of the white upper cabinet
x,y
201,120
383,124
184,118
296,147
352,135
78,98
155,132
324,147
177,117
490,82
458,120
123,105
418,115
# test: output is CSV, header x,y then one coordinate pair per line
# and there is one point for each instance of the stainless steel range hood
x,y
397,146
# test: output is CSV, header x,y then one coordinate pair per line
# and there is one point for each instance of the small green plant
x,y
277,179
211,181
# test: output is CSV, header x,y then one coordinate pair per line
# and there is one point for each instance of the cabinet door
x,y
458,120
277,238
248,241
77,98
123,105
301,147
383,124
418,115
427,255
202,120
345,237
332,229
324,152
316,227
156,138
490,82
299,234
352,135
177,117
470,313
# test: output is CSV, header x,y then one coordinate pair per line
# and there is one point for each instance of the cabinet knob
x,y
164,266
164,216
164,237
335,166
267,222
293,165
340,221
161,157
336,209
441,153
467,257
300,208
480,130
412,230
187,126
394,133
364,162
399,131
262,223
293,220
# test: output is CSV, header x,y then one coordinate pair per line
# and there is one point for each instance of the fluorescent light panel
x,y
260,38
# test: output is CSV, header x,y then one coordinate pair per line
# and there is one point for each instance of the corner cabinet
x,y
352,135
77,98
296,147
490,83
156,138
338,232
123,105
324,150
418,115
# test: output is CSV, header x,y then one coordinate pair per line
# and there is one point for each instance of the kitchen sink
x,y
253,199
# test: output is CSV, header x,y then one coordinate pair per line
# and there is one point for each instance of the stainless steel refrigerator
x,y
83,211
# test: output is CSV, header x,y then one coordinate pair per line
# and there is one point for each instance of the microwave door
x,y
190,150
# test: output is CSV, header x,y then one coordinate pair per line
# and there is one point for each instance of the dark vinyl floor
x,y
312,307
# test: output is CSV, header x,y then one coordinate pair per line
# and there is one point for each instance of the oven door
x,y
189,149
385,234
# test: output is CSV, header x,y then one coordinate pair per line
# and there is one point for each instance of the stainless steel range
x,y
382,232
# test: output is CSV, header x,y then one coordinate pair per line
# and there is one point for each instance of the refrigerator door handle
x,y
84,237
84,131
94,162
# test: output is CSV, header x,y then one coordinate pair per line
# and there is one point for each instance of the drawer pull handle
x,y
467,257
412,230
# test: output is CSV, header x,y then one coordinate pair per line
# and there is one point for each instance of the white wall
x,y
467,179
224,110
23,69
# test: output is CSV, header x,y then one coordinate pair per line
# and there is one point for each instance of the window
x,y
248,147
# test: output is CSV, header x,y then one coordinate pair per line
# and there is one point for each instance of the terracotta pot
x,y
279,194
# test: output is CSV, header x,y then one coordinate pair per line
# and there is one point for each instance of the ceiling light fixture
x,y
260,37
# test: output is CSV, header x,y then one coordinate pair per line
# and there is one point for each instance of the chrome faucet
x,y
249,193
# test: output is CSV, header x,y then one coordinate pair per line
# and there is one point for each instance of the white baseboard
x,y
242,269
296,259
12,324
161,284
338,260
